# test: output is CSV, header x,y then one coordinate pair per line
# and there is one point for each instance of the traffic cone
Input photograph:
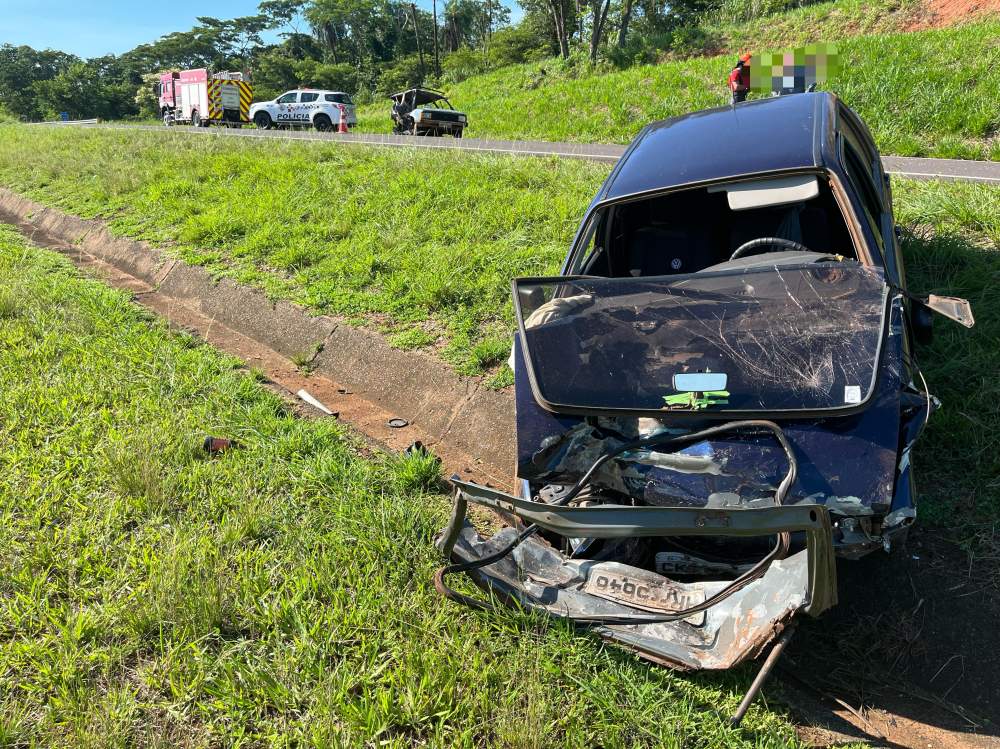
x,y
342,127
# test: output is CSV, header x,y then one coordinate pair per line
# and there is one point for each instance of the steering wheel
x,y
754,245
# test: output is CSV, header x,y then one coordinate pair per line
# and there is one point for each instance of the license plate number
x,y
654,593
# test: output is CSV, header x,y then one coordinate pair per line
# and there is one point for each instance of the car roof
x,y
763,135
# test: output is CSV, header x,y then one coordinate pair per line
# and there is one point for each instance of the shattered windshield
x,y
787,339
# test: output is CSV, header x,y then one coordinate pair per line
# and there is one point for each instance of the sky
x,y
91,28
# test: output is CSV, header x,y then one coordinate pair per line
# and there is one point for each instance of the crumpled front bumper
x,y
540,577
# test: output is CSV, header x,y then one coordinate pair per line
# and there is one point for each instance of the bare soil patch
x,y
940,13
908,657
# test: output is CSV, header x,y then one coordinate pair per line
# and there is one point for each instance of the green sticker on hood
x,y
697,401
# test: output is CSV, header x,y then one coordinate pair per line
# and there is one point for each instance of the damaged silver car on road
x,y
718,396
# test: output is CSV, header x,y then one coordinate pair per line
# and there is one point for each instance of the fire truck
x,y
200,98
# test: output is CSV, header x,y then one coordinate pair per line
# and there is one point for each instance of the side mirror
x,y
954,308
922,311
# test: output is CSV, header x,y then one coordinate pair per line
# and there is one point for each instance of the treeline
x,y
366,47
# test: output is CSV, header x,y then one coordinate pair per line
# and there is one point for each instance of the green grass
x,y
952,246
925,93
828,21
400,239
277,594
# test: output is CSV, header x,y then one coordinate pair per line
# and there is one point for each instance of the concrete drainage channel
x,y
394,397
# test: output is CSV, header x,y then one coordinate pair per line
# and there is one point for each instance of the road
x,y
903,166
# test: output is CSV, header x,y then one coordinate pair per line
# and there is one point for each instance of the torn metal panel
x,y
539,576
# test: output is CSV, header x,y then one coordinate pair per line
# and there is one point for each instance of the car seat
x,y
657,250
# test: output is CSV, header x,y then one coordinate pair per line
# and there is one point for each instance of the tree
x,y
437,53
281,13
237,39
689,12
350,29
280,67
623,26
201,47
492,15
527,41
600,17
91,88
20,69
416,37
460,24
559,20
145,98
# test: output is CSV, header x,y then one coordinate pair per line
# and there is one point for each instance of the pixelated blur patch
x,y
793,70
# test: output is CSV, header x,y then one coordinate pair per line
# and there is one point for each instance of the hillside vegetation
x,y
278,594
924,93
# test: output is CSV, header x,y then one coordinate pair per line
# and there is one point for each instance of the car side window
x,y
864,185
306,98
338,98
857,134
590,258
288,98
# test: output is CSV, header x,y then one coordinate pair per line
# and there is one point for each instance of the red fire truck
x,y
200,98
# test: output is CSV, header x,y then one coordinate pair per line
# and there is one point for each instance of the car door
x,y
307,106
286,104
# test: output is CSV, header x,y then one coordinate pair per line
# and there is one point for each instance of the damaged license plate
x,y
643,590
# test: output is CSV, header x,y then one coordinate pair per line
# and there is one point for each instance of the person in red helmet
x,y
739,79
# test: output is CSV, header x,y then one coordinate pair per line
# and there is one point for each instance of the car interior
x,y
736,225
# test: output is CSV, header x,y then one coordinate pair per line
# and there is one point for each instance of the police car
x,y
306,107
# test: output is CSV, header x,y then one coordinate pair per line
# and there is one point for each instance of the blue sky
x,y
90,28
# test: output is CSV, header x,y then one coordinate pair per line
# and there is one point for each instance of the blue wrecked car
x,y
717,396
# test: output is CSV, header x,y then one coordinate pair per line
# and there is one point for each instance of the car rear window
x,y
338,98
789,339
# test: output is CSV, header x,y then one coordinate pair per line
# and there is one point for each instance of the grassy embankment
x,y
423,247
277,594
924,93
420,245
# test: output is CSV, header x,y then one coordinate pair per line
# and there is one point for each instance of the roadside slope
x,y
952,246
421,246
